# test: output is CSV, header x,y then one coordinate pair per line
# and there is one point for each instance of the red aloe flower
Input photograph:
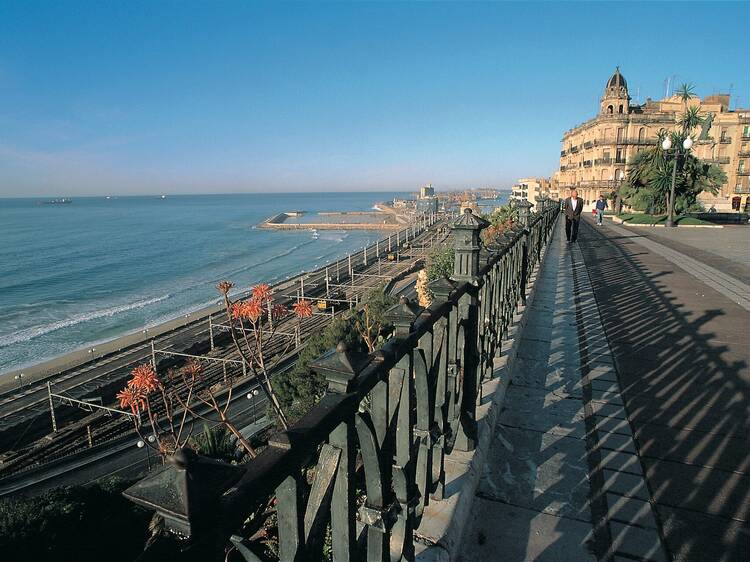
x,y
247,310
144,379
303,308
224,287
131,398
262,292
193,369
278,311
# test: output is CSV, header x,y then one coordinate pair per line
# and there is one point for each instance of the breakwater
x,y
336,220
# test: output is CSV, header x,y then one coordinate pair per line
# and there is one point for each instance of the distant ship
x,y
163,196
61,201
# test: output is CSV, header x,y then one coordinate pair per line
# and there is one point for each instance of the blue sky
x,y
201,97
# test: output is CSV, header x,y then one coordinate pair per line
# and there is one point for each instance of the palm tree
x,y
685,92
690,120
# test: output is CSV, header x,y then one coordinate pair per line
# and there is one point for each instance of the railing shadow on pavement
x,y
687,397
362,464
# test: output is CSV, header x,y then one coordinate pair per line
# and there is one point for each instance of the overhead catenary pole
x,y
349,258
302,287
389,242
211,330
153,355
51,407
327,281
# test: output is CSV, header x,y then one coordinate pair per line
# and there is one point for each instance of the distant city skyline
x,y
181,97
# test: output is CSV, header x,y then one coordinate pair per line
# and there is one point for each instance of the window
x,y
742,166
619,155
641,134
620,109
746,131
610,109
620,133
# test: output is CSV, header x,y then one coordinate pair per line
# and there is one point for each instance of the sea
x,y
73,275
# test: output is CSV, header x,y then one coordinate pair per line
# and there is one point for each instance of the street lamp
x,y
141,444
250,395
666,145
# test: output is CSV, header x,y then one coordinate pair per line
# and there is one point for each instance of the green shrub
x,y
73,524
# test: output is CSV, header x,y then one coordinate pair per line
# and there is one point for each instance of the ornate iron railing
x,y
369,457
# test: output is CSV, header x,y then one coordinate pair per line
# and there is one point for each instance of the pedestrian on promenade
x,y
573,209
601,204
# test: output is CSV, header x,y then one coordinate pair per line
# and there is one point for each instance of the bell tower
x,y
615,100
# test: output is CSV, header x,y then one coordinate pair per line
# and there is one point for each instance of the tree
x,y
650,178
300,388
173,401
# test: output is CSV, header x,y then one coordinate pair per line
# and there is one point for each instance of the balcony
x,y
741,189
741,154
603,161
588,144
619,160
745,137
562,153
573,149
587,163
725,140
743,172
719,160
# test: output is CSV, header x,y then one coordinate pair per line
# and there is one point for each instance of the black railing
x,y
399,410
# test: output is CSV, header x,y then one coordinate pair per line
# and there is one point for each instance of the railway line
x,y
348,280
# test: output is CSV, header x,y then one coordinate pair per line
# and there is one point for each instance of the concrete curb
x,y
438,538
618,220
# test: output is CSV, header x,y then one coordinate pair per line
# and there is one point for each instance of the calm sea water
x,y
73,275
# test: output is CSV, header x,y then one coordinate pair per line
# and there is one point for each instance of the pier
x,y
384,218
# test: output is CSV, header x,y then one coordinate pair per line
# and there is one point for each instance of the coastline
x,y
78,358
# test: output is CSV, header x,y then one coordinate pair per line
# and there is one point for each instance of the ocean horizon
x,y
74,275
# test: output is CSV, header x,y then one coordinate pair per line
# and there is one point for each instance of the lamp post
x,y
666,145
250,396
141,444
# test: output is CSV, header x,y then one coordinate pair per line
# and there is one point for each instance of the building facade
x,y
533,189
595,156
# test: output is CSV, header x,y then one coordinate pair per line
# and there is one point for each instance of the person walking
x,y
573,209
601,204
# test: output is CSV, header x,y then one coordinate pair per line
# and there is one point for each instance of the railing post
x,y
441,289
340,368
466,231
407,494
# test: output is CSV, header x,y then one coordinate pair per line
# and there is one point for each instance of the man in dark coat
x,y
573,208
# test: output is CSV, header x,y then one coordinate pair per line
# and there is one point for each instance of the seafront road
x,y
624,433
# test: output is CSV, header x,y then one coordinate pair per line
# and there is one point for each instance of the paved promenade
x,y
624,433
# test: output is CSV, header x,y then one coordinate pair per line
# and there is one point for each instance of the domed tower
x,y
616,99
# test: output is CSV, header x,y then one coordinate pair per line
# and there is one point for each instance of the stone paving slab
x,y
536,536
541,471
